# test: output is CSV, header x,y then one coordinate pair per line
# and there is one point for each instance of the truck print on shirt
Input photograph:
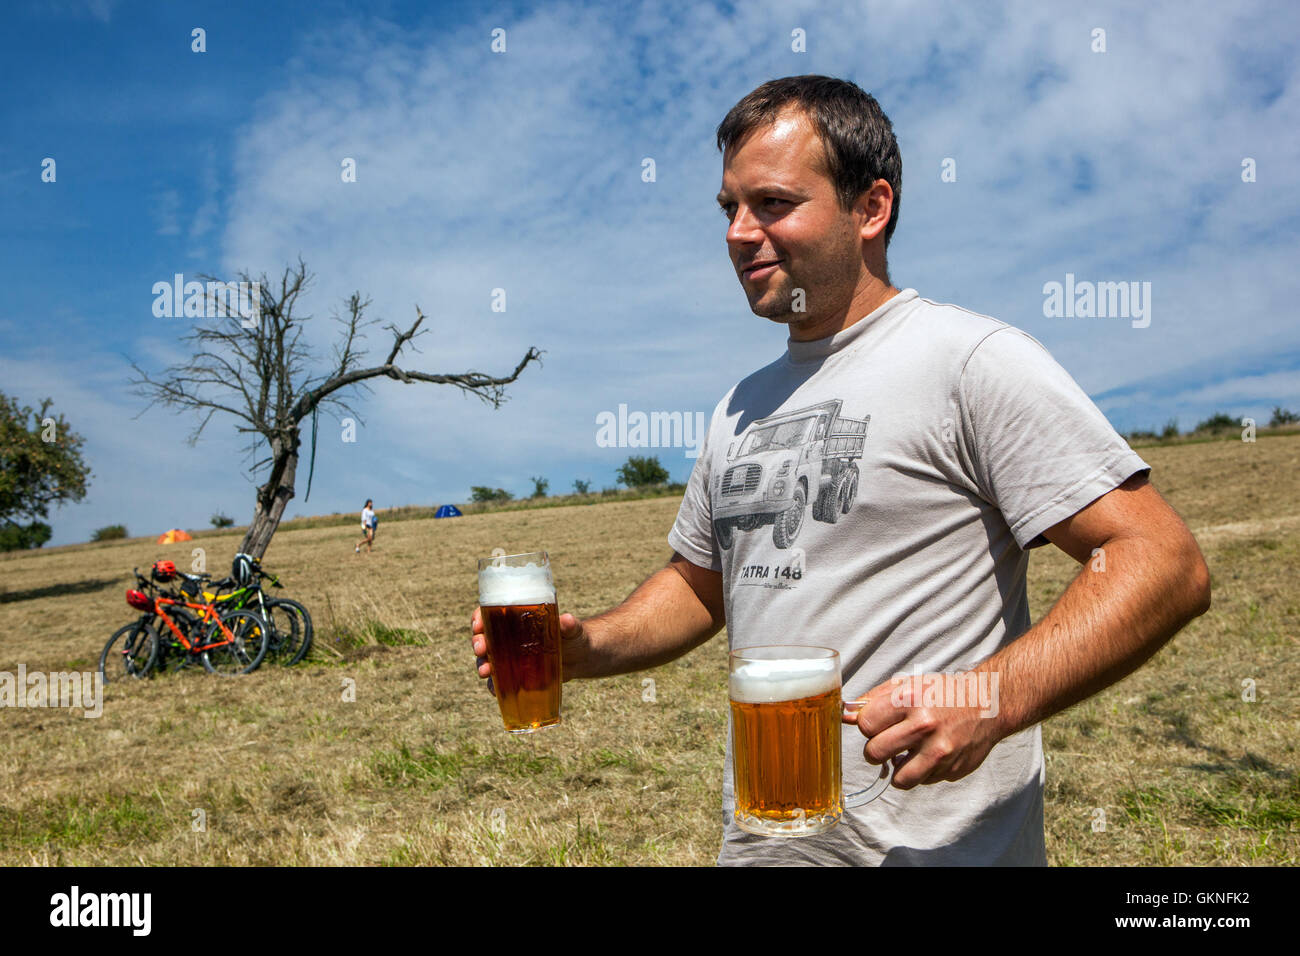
x,y
782,463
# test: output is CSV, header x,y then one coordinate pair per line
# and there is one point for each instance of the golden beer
x,y
785,732
523,647
787,765
521,627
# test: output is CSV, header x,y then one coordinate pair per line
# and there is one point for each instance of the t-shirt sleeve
x,y
692,533
1040,449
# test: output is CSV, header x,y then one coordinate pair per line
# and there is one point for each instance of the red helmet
x,y
164,570
139,600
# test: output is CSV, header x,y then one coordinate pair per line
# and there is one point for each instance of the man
x,y
904,549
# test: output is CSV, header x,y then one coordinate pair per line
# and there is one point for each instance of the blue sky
x,y
478,170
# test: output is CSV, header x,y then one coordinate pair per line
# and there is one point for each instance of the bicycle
x,y
224,642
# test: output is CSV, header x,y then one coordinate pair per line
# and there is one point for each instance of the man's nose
x,y
744,228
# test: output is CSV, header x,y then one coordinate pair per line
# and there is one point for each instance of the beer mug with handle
x,y
786,739
521,627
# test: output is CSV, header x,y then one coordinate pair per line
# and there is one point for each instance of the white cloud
x,y
165,207
101,10
207,209
1282,387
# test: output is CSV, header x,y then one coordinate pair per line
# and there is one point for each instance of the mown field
x,y
279,768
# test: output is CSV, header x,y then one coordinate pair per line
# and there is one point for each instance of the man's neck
x,y
869,296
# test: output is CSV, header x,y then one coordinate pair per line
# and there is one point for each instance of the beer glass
x,y
521,626
785,724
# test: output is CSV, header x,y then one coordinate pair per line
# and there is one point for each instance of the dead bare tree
x,y
256,368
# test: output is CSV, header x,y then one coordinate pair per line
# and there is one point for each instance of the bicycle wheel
x,y
286,632
244,653
132,651
171,651
291,630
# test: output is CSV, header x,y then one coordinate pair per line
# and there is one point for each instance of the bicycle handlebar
x,y
204,578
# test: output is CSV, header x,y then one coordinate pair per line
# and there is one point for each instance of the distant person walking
x,y
369,521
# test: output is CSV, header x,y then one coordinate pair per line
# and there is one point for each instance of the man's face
x,y
782,208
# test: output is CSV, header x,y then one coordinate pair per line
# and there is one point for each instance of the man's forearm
x,y
660,621
1103,627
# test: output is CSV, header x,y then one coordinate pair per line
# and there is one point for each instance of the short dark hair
x,y
857,137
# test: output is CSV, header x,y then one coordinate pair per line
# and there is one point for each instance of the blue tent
x,y
448,511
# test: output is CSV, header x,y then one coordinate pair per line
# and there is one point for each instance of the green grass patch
x,y
605,759
437,767
1261,813
68,823
371,633
404,855
587,847
1142,803
1251,802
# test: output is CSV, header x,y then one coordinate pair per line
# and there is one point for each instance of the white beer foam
x,y
765,682
530,584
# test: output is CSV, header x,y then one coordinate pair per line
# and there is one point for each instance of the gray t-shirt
x,y
875,492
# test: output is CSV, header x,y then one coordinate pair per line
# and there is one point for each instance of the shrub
x,y
1282,416
111,532
1170,429
483,493
18,537
581,487
1218,422
221,521
539,487
637,472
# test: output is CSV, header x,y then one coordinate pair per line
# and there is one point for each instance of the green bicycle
x,y
288,621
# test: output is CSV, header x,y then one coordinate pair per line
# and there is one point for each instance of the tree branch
x,y
488,388
404,337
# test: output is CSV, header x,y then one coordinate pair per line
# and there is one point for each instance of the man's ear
x,y
874,207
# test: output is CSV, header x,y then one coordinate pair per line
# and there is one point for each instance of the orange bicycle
x,y
229,643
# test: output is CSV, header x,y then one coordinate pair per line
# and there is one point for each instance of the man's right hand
x,y
573,647
675,609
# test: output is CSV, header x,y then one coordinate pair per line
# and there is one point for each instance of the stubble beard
x,y
833,283
777,301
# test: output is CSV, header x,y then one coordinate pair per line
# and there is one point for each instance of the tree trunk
x,y
272,497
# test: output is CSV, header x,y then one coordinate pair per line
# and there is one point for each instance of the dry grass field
x,y
418,771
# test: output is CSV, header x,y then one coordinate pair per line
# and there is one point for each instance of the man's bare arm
x,y
1108,622
1102,628
676,609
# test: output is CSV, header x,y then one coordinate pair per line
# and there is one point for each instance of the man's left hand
x,y
927,744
